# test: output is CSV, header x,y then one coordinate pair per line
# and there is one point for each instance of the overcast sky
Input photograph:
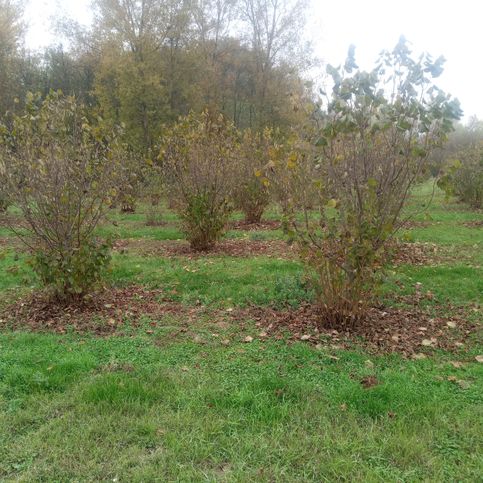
x,y
441,27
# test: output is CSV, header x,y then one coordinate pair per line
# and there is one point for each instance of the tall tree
x,y
11,35
274,33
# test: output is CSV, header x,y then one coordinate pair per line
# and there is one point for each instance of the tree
x,y
11,34
373,139
275,28
130,85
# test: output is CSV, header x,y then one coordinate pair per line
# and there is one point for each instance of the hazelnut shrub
x,y
372,138
61,168
251,193
197,157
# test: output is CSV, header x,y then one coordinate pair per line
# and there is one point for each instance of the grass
x,y
99,409
165,405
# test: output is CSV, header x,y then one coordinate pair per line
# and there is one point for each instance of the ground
x,y
211,368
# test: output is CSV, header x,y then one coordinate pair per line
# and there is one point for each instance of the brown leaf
x,y
463,384
418,356
369,381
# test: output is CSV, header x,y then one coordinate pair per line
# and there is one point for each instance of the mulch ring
x,y
262,225
417,224
416,254
473,224
409,332
232,248
403,253
108,312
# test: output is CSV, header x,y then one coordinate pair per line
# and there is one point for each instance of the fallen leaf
x,y
451,325
248,339
457,364
185,369
369,364
225,342
427,342
463,384
305,337
369,381
418,356
479,358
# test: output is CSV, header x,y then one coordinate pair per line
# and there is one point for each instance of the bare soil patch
x,y
232,248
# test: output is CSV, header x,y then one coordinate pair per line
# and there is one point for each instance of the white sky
x,y
441,27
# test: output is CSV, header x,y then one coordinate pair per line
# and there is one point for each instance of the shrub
x,y
62,171
464,176
374,135
153,191
197,157
468,179
251,193
132,172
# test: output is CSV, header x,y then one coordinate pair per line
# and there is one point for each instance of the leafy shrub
x,y
372,143
62,172
153,191
197,158
132,170
464,176
251,193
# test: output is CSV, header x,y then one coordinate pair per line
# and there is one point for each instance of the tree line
x,y
144,63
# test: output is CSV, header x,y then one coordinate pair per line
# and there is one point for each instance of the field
x,y
210,368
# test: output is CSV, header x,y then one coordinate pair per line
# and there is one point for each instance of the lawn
x,y
194,394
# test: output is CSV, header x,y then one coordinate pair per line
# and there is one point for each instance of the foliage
x,y
11,33
197,158
463,173
153,192
251,193
132,173
61,169
373,138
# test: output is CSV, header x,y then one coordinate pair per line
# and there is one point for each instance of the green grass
x,y
98,409
157,404
216,281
